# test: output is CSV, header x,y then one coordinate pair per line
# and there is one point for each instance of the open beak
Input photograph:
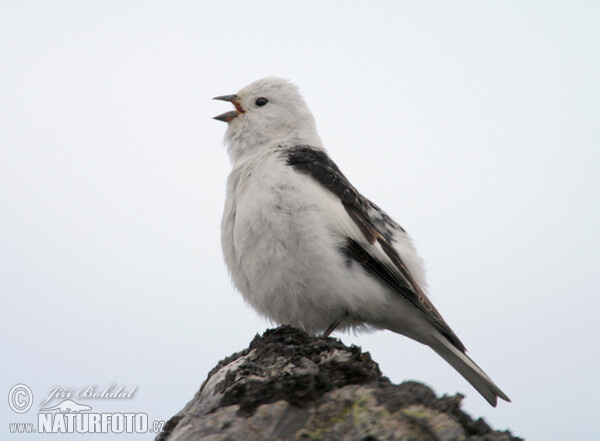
x,y
228,116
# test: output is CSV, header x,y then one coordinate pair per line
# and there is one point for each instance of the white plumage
x,y
305,248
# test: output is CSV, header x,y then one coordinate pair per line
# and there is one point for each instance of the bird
x,y
305,248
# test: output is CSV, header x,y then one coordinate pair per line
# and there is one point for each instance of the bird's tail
x,y
467,368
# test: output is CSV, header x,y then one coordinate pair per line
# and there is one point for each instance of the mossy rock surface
x,y
289,386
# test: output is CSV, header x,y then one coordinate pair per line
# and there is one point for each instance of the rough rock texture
x,y
290,386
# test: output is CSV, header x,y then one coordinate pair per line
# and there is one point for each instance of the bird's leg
x,y
334,325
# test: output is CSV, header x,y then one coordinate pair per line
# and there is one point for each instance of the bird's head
x,y
268,113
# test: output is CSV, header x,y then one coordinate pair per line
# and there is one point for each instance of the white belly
x,y
280,244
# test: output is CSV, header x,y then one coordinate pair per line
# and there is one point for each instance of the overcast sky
x,y
476,125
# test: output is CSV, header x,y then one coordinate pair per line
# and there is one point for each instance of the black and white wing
x,y
378,231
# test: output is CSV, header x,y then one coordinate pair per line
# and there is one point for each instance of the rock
x,y
289,386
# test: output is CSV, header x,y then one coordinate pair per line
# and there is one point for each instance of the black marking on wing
x,y
319,166
375,225
353,250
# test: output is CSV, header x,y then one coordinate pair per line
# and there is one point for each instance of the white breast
x,y
280,247
282,233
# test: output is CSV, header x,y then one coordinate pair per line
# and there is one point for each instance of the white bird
x,y
305,248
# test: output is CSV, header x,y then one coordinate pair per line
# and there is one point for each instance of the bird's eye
x,y
261,101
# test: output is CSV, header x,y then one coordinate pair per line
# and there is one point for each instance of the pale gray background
x,y
475,124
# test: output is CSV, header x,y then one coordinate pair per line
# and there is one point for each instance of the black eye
x,y
261,101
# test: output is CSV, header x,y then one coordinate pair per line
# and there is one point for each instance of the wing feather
x,y
375,252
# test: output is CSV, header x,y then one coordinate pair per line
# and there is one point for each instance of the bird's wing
x,y
377,229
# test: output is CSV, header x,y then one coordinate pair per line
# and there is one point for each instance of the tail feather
x,y
468,369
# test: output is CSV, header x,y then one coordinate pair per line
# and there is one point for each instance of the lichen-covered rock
x,y
290,386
